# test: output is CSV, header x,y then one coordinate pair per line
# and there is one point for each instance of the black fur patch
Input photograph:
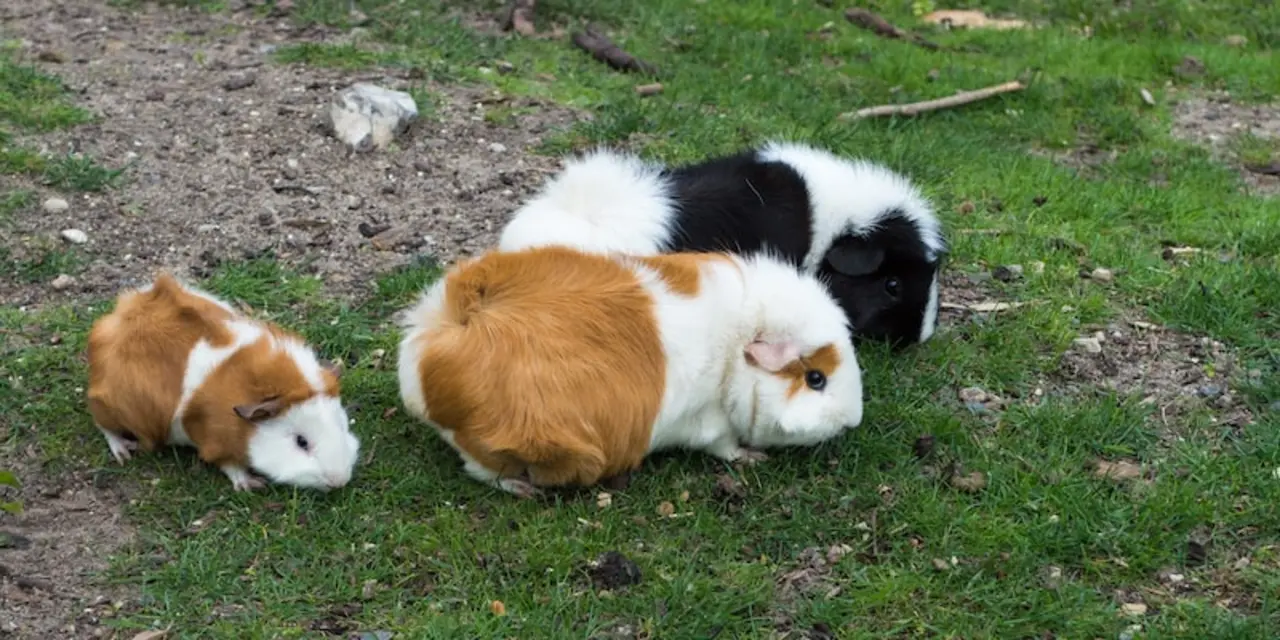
x,y
887,303
739,204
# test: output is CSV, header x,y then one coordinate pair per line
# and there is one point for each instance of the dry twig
x,y
519,16
603,49
962,98
881,27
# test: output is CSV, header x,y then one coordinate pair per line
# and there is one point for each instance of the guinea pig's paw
x,y
519,487
751,456
121,448
242,480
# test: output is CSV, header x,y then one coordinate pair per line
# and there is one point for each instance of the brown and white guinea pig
x,y
173,365
865,230
552,366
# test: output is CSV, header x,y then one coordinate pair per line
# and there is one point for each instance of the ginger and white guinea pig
x,y
173,365
551,366
865,230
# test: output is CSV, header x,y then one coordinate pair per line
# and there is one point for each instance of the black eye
x,y
815,379
891,287
302,442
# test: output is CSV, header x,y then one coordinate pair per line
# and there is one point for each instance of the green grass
x,y
34,102
1046,547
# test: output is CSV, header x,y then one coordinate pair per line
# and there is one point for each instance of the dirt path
x,y
220,173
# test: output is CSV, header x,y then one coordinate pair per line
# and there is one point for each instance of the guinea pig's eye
x,y
302,442
815,379
891,287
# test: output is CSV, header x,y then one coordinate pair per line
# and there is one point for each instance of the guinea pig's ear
x,y
259,411
855,258
770,355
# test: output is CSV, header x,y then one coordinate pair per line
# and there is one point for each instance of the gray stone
x,y
74,236
367,117
55,205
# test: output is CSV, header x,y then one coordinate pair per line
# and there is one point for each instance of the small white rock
x,y
206,228
367,116
61,282
1090,345
56,205
1134,608
75,236
1102,275
498,147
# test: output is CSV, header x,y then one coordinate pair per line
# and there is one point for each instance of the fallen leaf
x,y
666,509
1101,274
1134,608
940,564
970,19
982,307
1118,470
649,89
604,499
155,634
498,608
971,482
1147,97
966,207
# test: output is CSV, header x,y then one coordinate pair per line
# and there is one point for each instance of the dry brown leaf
x,y
1118,470
982,307
498,608
666,509
971,482
1134,608
604,499
971,19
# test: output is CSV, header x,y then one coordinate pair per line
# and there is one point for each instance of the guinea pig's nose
x,y
335,480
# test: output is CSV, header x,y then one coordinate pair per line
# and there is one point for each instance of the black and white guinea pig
x,y
864,230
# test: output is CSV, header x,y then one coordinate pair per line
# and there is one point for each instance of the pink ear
x,y
772,356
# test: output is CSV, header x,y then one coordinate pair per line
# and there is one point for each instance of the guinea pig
x,y
551,366
867,231
174,365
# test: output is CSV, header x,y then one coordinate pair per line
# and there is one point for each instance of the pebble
x,y
353,202
74,236
1209,391
498,147
973,394
56,205
206,228
63,281
1090,345
1102,275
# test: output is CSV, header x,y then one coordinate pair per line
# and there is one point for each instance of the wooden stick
x,y
603,49
519,16
881,27
964,97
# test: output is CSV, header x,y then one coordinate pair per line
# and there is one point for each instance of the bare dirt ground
x,y
1215,122
219,173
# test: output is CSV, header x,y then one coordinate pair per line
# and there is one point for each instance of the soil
x,y
1215,122
218,173
53,552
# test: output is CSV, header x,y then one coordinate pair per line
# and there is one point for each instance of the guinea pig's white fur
x,y
736,336
174,365
607,201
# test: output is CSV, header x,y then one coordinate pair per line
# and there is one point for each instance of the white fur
x,y
273,449
930,311
715,400
603,201
850,195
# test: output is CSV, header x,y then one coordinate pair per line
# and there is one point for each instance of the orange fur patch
x,y
681,272
138,357
253,373
825,359
546,361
